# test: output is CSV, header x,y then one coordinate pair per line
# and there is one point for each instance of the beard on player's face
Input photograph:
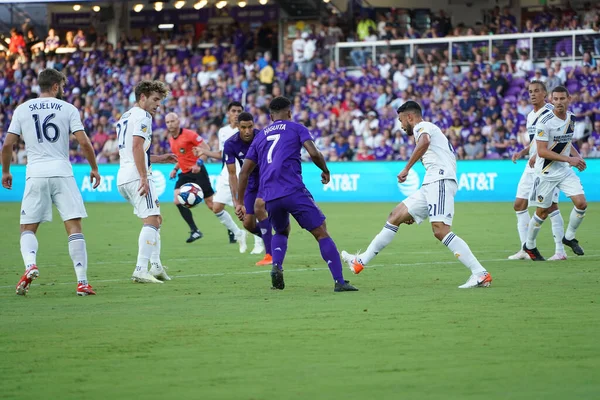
x,y
60,92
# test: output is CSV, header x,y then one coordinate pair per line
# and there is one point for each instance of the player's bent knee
x,y
250,223
73,226
399,215
580,203
553,207
520,205
542,212
440,230
29,227
217,207
320,232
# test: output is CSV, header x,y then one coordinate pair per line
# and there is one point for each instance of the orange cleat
x,y
268,260
85,290
30,274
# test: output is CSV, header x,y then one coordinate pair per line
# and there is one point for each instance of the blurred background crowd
x,y
480,103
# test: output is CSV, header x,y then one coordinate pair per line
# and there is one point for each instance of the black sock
x,y
186,214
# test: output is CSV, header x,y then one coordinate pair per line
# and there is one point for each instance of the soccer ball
x,y
190,195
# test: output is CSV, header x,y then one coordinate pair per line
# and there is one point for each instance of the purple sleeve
x,y
252,152
304,134
228,153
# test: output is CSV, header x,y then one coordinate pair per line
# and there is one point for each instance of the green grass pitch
x,y
217,331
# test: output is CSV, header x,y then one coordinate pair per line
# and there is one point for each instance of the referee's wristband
x,y
199,162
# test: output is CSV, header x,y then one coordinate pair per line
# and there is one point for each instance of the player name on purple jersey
x,y
277,152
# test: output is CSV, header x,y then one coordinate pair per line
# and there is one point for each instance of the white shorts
x,y
223,192
143,206
544,189
41,193
434,200
526,185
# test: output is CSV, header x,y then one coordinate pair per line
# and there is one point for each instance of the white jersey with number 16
x,y
135,122
45,125
439,159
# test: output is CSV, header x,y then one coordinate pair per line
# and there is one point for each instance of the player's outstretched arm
x,y
247,168
520,154
318,159
422,146
88,151
7,152
163,159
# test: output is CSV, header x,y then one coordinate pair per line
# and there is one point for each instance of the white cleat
x,y
481,280
159,272
558,257
520,255
259,246
353,263
241,239
144,277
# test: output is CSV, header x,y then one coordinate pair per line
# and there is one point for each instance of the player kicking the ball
x,y
556,156
253,206
276,151
435,198
45,125
134,179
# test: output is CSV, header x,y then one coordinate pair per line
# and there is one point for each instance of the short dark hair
x,y
279,104
48,77
234,104
146,88
538,82
560,89
410,106
245,116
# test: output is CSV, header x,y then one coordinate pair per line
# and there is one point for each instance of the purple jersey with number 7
x,y
276,150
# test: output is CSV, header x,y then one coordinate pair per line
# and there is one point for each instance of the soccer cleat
x,y
159,272
85,289
520,255
277,282
344,287
558,257
534,253
30,274
268,260
353,263
259,247
241,239
194,236
231,237
144,277
481,280
574,245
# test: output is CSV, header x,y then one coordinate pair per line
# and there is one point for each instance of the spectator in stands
x,y
524,65
52,41
79,40
474,150
365,28
17,41
560,72
552,81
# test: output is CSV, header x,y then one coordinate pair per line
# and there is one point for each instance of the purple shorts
x,y
301,205
249,200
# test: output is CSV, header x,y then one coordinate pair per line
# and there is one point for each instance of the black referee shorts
x,y
201,179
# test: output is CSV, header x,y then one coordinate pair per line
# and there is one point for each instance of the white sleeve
x,y
15,124
142,126
75,124
418,131
541,133
222,140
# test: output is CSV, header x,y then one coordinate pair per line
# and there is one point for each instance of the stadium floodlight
x,y
158,6
263,2
138,7
200,4
242,4
221,4
166,27
179,4
76,7
325,1
96,8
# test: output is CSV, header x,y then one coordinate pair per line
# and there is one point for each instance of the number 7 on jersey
x,y
274,139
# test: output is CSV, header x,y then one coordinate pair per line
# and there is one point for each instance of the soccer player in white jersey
x,y
223,194
435,198
556,156
45,125
134,179
537,96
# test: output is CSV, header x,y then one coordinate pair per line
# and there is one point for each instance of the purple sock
x,y
330,254
279,245
266,234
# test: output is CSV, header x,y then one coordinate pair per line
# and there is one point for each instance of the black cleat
x,y
344,287
534,253
231,238
574,245
277,278
194,236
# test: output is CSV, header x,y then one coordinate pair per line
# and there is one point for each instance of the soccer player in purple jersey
x,y
251,207
276,151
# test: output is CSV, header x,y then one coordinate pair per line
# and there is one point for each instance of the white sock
x,y
146,243
226,220
522,224
29,248
558,231
461,250
534,228
78,254
258,241
575,219
155,257
380,241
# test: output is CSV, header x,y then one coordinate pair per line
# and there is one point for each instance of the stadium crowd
x,y
481,107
